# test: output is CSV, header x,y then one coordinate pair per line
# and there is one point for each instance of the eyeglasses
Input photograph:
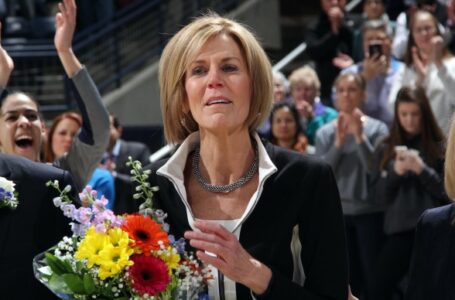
x,y
425,29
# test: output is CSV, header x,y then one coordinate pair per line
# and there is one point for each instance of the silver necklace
x,y
227,187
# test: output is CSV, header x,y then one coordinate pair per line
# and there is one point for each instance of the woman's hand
x,y
340,130
415,163
65,25
419,63
355,126
400,165
336,16
437,50
304,109
342,61
221,249
6,65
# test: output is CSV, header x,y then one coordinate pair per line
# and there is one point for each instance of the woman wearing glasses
x,y
429,64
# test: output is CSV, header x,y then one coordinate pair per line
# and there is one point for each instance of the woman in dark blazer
x,y
233,197
33,227
432,273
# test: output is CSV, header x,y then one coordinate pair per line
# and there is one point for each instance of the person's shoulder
x,y
286,159
19,163
438,217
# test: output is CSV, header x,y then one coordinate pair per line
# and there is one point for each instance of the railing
x,y
113,50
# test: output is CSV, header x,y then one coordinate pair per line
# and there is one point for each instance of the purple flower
x,y
68,210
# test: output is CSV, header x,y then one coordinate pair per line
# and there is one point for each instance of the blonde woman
x,y
234,197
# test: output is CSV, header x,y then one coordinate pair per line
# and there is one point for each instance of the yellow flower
x,y
171,258
90,247
114,257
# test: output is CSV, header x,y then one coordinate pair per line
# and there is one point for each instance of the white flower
x,y
7,193
7,185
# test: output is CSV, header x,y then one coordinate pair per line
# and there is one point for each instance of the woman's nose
x,y
23,120
214,79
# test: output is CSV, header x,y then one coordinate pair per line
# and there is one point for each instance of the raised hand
x,y
419,62
342,61
437,50
6,65
221,249
373,66
65,25
336,16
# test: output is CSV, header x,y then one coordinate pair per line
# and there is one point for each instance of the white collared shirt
x,y
173,170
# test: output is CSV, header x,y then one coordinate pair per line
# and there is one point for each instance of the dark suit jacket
x,y
433,262
124,189
138,151
302,192
34,226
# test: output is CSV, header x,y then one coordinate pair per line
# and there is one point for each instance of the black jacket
x,y
323,46
34,226
433,262
302,192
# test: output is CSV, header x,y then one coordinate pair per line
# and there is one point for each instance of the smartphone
x,y
375,49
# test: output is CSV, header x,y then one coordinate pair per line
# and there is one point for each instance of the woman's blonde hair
x,y
305,76
449,168
184,47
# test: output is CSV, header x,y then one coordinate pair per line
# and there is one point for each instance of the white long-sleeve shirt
x,y
439,86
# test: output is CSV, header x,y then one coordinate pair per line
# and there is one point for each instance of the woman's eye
x,y
229,68
11,118
198,71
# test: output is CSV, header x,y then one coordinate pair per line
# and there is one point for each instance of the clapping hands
x,y
421,60
349,124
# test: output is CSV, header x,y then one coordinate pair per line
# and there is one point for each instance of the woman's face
x,y
423,30
284,126
279,91
21,128
349,94
304,92
218,86
410,117
63,136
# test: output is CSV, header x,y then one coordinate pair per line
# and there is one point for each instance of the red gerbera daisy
x,y
145,233
149,274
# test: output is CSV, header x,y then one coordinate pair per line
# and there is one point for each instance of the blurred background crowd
x,y
370,89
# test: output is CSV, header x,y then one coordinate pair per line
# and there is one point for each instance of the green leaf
x,y
58,285
89,284
75,283
56,265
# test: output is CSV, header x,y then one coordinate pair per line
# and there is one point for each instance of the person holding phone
x,y
378,69
409,164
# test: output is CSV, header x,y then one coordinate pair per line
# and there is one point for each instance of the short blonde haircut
x,y
305,76
449,168
184,47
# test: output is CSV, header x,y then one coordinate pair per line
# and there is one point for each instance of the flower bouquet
x,y
119,257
